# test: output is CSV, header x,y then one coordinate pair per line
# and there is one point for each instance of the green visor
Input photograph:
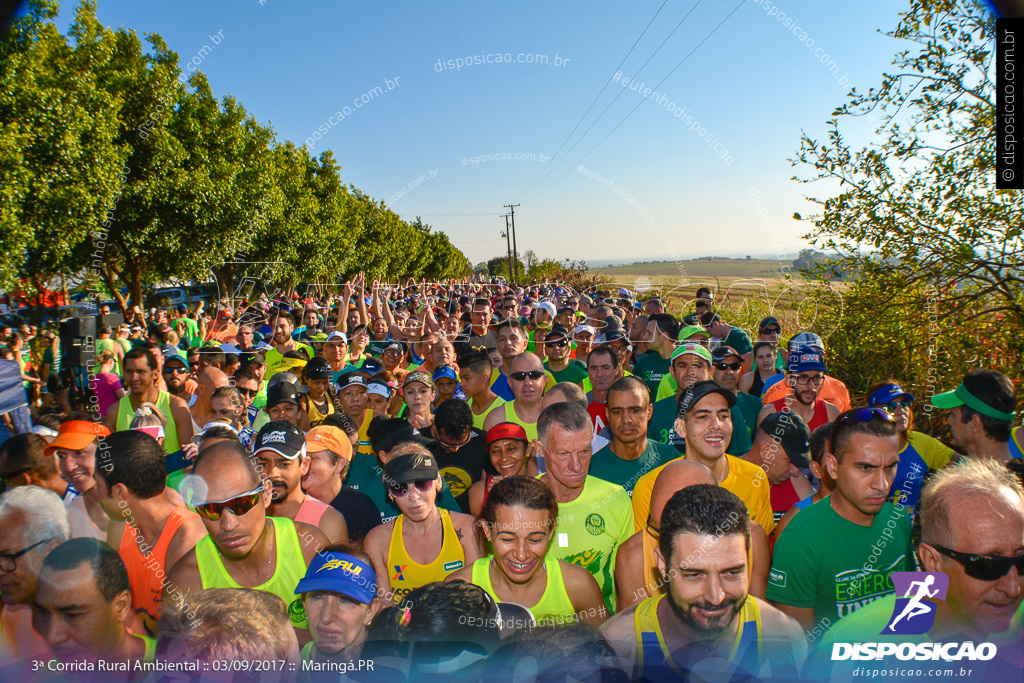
x,y
962,397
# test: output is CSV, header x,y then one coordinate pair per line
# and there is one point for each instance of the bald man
x,y
209,379
636,571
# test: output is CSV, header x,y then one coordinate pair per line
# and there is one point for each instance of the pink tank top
x,y
311,511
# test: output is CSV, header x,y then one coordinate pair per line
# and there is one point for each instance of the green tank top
x,y
510,416
289,570
554,607
108,345
125,413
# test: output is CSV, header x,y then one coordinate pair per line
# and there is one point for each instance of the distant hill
x,y
674,272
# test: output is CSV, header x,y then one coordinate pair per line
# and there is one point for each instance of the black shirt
x,y
464,467
467,340
359,511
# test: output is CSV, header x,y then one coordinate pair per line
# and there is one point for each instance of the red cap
x,y
506,430
75,435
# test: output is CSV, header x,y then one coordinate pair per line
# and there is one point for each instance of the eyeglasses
x,y
422,485
532,374
813,381
861,415
728,366
9,561
558,344
239,505
895,406
177,369
985,567
7,476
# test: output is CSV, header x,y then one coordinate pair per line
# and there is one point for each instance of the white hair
x,y
45,515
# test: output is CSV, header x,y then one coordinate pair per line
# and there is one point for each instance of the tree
x,y
916,218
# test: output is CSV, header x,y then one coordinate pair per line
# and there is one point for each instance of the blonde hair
x,y
944,490
171,337
148,415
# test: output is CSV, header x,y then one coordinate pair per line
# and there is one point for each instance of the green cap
x,y
962,397
689,331
693,350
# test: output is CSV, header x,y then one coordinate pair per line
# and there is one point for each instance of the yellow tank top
x,y
364,445
553,608
407,574
291,567
315,416
125,414
510,416
654,660
653,580
478,420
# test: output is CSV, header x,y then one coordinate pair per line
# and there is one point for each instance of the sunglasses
x,y
239,505
532,374
558,344
861,415
247,392
985,567
728,366
771,330
896,406
422,485
177,369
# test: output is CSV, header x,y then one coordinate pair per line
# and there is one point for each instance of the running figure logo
x,y
914,613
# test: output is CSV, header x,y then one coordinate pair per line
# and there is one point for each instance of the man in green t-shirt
x,y
728,364
728,335
630,454
559,364
662,330
691,363
594,516
838,553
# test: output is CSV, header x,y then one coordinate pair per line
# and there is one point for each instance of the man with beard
x,y
141,372
477,333
707,618
283,342
805,372
280,450
177,377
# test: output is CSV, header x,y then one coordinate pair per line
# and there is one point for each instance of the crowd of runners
x,y
471,481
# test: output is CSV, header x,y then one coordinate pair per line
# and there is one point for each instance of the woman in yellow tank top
x,y
319,403
424,544
519,518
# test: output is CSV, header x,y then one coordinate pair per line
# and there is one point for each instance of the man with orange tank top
x,y
148,531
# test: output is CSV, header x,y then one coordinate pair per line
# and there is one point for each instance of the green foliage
x,y
118,169
932,246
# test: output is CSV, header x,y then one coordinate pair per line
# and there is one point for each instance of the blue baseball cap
x,y
446,371
340,573
888,394
804,358
171,353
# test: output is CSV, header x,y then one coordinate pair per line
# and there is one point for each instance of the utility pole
x,y
515,249
508,244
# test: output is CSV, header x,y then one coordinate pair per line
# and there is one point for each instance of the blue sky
x,y
652,188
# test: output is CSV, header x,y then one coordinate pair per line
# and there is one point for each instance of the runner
x,y
477,333
283,342
75,448
630,454
208,379
528,381
446,380
330,458
583,337
782,448
336,353
83,581
981,415
707,611
511,342
148,531
724,334
318,402
509,454
460,451
662,330
519,519
405,551
244,548
832,390
805,373
280,450
558,363
818,445
339,596
726,367
765,368
595,516
141,372
177,374
23,462
475,373
919,453
603,370
839,553
419,393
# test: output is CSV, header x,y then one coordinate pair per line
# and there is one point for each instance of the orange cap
x,y
327,438
75,435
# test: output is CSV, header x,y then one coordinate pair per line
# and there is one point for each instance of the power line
x,y
574,128
676,68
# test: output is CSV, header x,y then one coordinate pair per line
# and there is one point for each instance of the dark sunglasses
x,y
862,415
558,344
422,485
239,505
532,374
728,366
771,330
985,567
247,392
175,369
7,476
896,405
